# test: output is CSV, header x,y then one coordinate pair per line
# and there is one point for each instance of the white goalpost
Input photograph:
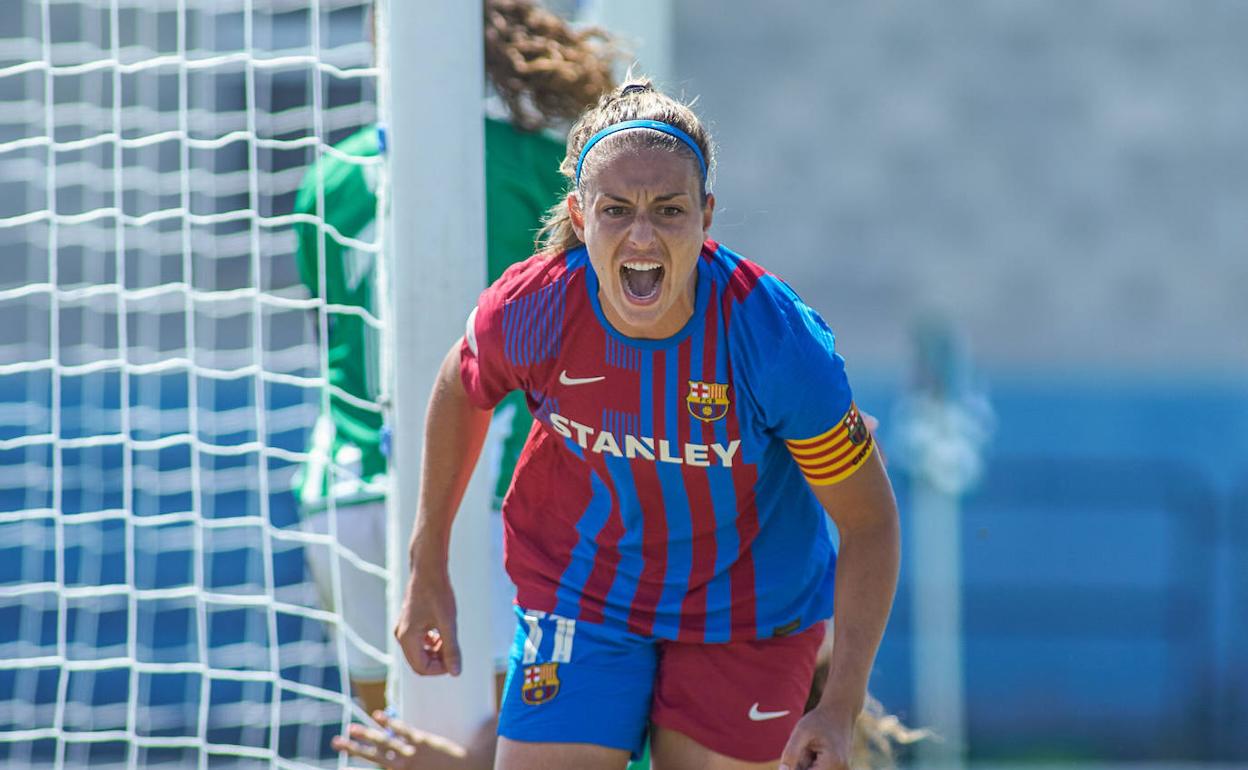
x,y
434,95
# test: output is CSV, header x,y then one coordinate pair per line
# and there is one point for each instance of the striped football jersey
x,y
665,485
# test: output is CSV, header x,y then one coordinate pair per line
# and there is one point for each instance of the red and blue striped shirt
x,y
664,488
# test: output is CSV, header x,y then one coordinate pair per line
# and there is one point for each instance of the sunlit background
x,y
1026,221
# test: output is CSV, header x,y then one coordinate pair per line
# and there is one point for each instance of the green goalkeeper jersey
x,y
521,181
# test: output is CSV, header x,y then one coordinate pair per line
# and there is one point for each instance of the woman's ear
x,y
577,216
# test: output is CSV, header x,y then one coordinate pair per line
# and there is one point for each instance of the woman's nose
x,y
641,231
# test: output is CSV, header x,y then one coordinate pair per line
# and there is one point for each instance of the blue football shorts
x,y
558,666
575,682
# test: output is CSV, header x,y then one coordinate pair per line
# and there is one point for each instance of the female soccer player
x,y
666,524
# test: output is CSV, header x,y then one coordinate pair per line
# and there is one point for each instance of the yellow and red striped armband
x,y
833,456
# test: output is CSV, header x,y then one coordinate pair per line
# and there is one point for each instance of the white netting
x,y
159,373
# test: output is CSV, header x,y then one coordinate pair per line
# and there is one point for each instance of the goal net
x,y
161,366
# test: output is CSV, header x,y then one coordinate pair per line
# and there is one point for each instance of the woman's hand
x,y
426,627
821,740
400,747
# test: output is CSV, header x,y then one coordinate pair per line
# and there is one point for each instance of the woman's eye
x,y
614,211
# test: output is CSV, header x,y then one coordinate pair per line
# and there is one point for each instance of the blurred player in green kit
x,y
543,73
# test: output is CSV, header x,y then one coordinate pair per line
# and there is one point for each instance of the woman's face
x,y
642,219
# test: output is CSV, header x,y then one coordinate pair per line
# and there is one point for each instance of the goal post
x,y
433,94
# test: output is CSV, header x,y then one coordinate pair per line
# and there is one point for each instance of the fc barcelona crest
x,y
708,401
541,683
855,427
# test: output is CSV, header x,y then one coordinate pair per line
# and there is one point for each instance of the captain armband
x,y
832,457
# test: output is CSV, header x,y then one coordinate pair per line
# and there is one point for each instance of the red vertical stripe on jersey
x,y
528,558
654,511
740,283
698,487
743,280
590,356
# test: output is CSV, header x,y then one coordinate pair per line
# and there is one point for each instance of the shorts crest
x,y
541,683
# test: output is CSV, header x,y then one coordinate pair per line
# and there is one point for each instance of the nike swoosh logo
x,y
566,380
763,716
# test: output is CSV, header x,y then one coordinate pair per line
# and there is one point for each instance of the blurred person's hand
x,y
400,747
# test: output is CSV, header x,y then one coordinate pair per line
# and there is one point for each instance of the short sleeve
x,y
486,373
809,403
513,334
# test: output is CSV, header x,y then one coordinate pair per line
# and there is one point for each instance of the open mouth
x,y
642,281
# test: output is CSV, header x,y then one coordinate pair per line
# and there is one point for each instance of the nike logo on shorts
x,y
564,379
763,716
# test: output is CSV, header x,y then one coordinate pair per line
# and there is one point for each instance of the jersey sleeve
x,y
808,400
487,374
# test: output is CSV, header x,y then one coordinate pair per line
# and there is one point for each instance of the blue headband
x,y
653,125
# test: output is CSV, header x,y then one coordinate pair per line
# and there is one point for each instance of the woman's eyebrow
x,y
659,198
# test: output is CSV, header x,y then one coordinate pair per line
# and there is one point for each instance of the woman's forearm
x,y
866,579
455,430
868,561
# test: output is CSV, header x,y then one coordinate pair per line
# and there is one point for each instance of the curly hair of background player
x,y
544,70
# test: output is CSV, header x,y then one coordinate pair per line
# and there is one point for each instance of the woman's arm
x,y
454,432
867,564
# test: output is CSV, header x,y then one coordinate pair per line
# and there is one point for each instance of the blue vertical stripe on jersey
x,y
531,325
675,502
546,406
647,393
577,258
621,423
628,570
621,355
585,552
724,499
